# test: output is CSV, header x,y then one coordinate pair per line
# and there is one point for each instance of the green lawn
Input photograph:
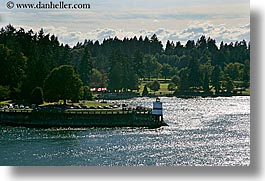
x,y
246,92
6,102
95,103
162,91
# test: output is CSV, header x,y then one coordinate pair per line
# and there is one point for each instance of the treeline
x,y
27,58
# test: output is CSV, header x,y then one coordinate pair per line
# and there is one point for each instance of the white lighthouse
x,y
157,107
158,110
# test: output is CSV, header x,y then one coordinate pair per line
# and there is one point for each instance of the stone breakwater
x,y
95,118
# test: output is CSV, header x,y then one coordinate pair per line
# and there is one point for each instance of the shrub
x,y
37,96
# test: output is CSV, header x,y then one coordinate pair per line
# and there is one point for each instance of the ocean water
x,y
201,132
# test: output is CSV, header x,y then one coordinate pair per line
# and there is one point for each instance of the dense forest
x,y
27,58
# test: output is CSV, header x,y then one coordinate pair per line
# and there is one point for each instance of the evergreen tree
x,y
205,74
116,71
156,45
175,79
170,47
4,93
87,93
13,67
166,70
229,85
216,78
85,67
133,81
171,87
152,66
184,83
62,84
246,73
194,74
97,79
211,45
201,44
190,45
234,70
206,83
138,64
154,85
145,91
37,96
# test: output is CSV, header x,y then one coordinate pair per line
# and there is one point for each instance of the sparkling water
x,y
201,132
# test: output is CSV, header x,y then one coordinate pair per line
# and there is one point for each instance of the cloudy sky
x,y
176,20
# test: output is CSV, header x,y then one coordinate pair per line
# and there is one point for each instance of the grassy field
x,y
95,103
164,85
6,102
246,92
162,91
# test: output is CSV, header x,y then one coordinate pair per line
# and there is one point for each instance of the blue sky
x,y
176,20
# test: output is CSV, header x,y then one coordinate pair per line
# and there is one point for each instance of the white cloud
x,y
175,20
193,31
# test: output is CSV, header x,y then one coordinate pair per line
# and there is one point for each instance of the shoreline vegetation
x,y
37,68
